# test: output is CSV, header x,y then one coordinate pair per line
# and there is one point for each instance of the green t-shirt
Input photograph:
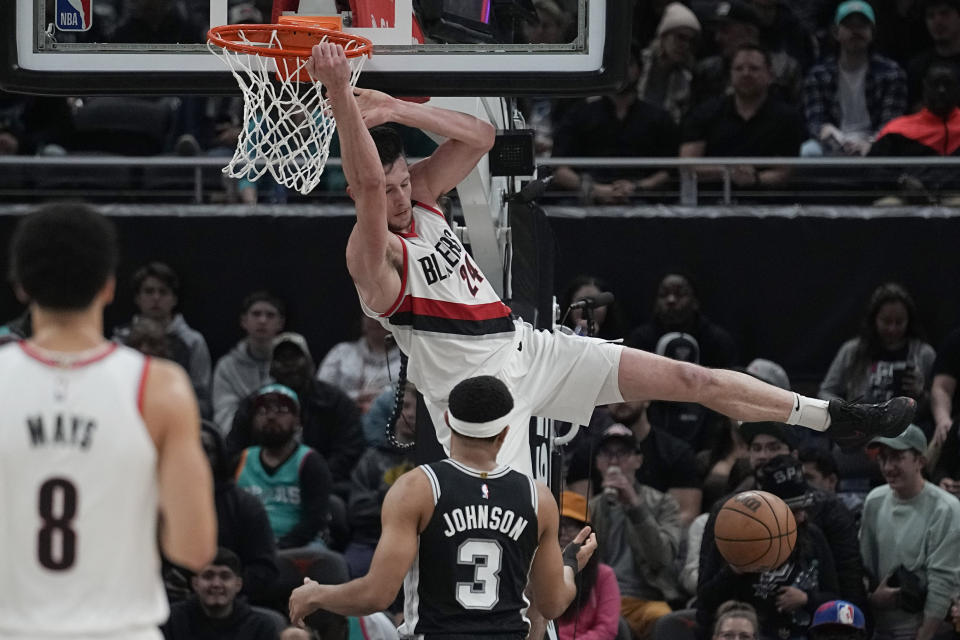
x,y
278,491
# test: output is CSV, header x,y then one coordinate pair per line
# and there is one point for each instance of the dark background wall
x,y
789,289
221,259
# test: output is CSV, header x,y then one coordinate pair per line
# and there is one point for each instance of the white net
x,y
289,123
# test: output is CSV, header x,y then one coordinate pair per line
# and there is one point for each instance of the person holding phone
x,y
889,357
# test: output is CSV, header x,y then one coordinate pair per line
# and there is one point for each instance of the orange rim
x,y
296,40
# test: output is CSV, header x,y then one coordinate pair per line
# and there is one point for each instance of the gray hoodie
x,y
199,361
189,350
237,375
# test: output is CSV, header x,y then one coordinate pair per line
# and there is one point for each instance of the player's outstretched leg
x,y
647,376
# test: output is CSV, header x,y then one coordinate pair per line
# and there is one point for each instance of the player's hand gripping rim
x,y
328,64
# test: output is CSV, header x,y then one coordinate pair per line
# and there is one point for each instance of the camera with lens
x,y
912,593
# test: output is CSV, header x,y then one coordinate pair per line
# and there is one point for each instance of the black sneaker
x,y
854,425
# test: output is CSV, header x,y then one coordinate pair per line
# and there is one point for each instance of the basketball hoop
x,y
289,123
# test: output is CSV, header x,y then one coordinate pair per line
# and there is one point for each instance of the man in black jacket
x,y
214,611
785,597
821,509
242,523
329,418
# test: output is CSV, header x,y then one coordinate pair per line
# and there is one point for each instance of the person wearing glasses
x,y
291,480
638,532
329,419
735,621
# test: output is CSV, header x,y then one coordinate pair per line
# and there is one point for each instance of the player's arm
x,y
376,279
188,534
408,503
467,140
941,403
554,583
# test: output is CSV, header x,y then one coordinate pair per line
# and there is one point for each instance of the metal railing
x,y
196,164
686,189
687,168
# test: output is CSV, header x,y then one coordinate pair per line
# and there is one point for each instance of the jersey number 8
x,y
58,508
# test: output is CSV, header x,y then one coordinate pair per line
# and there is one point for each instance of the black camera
x,y
912,594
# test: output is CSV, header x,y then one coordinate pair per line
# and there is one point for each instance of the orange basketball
x,y
755,531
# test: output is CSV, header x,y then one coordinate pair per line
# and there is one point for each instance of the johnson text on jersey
x,y
482,516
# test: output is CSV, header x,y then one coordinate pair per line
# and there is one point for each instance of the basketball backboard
x,y
421,47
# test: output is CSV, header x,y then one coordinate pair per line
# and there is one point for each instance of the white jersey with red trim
x,y
78,496
447,319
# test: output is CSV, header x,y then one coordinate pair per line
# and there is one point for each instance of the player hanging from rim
x,y
96,441
414,275
483,529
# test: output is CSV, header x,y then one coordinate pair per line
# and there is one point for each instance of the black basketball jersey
x,y
474,556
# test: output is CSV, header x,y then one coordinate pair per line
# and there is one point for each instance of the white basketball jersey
x,y
78,497
447,319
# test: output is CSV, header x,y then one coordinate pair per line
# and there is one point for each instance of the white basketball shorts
x,y
551,375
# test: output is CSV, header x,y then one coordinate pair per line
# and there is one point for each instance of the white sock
x,y
809,412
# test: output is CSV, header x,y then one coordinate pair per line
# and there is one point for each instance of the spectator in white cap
x,y
770,372
679,330
666,65
910,542
693,423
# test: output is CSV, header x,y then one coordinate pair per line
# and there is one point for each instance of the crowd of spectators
x,y
300,475
299,451
878,535
707,78
767,78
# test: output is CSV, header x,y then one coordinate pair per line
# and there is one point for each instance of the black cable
x,y
391,430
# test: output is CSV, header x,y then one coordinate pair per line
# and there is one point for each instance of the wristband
x,y
570,557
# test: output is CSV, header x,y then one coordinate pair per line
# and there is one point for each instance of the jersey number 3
x,y
485,556
58,508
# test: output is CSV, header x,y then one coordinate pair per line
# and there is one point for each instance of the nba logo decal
x,y
74,15
484,491
845,614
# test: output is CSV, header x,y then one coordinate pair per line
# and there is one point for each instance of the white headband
x,y
476,429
